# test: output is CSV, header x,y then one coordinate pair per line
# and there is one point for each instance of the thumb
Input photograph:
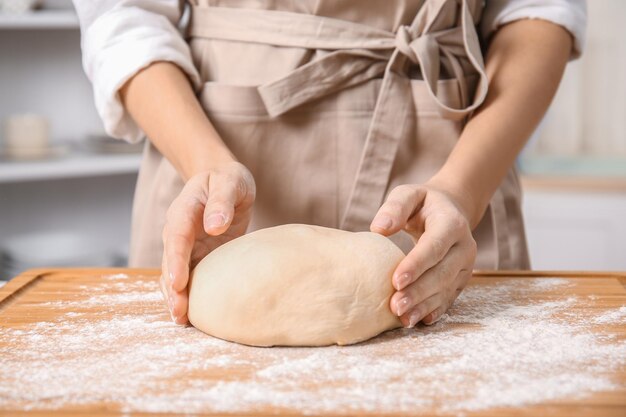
x,y
401,204
226,194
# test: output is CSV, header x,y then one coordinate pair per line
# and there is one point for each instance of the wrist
x,y
209,160
203,153
460,193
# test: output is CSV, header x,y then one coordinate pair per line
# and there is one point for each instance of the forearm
x,y
525,63
162,102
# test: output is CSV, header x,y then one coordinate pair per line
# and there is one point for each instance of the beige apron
x,y
331,104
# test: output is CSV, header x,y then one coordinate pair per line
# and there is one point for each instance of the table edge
x,y
29,277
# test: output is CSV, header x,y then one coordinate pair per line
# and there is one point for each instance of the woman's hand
x,y
215,204
213,208
432,275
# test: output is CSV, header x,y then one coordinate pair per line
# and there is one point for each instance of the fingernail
x,y
173,317
429,322
402,281
382,222
216,220
402,305
413,319
171,275
170,301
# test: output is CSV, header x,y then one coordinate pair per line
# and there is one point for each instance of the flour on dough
x,y
296,285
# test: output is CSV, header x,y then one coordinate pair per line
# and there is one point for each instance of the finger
x,y
178,240
166,285
412,317
434,316
182,320
431,282
179,306
226,192
437,314
440,235
176,301
463,278
164,291
170,294
400,205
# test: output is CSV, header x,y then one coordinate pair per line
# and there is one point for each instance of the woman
x,y
353,114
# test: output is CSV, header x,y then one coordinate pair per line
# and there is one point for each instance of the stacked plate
x,y
50,249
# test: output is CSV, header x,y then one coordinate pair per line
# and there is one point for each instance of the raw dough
x,y
296,285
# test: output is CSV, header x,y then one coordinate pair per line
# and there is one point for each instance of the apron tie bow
x,y
404,41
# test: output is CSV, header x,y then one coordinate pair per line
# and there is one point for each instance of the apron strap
x,y
358,53
501,231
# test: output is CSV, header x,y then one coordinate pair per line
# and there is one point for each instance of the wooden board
x,y
99,342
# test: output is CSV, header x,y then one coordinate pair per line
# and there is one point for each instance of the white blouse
x,y
120,37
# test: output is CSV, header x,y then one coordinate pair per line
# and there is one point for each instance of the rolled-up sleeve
x,y
118,39
570,14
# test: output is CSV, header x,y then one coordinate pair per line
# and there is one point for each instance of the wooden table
x,y
100,342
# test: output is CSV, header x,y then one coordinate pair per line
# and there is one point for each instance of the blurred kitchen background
x,y
66,189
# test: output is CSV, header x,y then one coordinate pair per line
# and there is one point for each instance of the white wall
x,y
576,229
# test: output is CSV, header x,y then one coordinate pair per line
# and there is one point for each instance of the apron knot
x,y
403,43
416,47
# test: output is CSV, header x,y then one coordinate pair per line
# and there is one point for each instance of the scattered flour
x,y
612,317
116,277
549,283
494,348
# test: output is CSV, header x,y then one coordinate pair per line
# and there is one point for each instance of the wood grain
x,y
25,301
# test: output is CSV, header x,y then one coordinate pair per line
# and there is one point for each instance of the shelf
x,y
73,166
40,19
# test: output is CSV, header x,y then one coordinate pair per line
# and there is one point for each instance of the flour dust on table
x,y
504,343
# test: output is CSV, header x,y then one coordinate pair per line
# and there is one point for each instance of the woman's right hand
x,y
213,208
216,202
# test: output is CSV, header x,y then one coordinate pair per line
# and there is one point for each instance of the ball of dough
x,y
296,285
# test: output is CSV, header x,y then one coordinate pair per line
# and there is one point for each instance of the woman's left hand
x,y
432,275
